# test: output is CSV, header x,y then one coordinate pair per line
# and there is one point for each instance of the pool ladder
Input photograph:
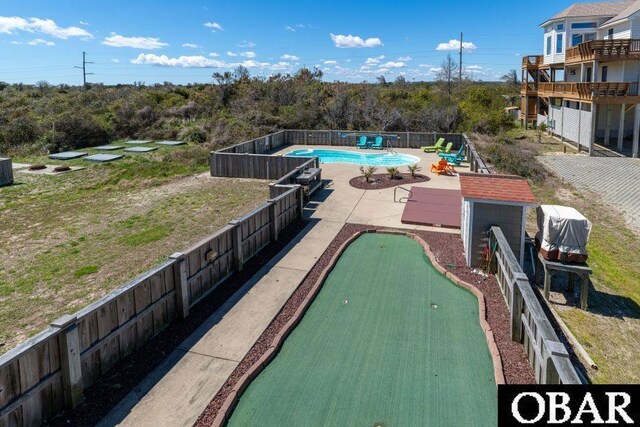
x,y
390,148
403,199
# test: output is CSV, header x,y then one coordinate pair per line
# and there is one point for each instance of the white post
x,y
607,126
594,126
636,131
621,127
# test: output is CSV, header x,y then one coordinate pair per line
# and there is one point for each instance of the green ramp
x,y
388,341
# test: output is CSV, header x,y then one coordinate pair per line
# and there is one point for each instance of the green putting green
x,y
388,341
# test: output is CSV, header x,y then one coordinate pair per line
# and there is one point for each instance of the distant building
x,y
585,85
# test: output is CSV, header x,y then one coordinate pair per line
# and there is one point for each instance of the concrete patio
x,y
180,389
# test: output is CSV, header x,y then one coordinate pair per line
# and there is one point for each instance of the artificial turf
x,y
388,341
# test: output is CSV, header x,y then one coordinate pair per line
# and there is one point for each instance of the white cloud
x,y
294,28
41,42
473,67
455,45
247,54
330,62
115,60
376,60
425,65
214,55
191,45
12,24
392,64
116,40
213,26
342,41
435,69
246,43
288,57
84,23
405,58
197,61
280,66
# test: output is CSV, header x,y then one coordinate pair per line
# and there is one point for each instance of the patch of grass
x,y
147,235
86,270
57,229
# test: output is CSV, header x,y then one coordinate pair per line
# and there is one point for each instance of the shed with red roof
x,y
493,200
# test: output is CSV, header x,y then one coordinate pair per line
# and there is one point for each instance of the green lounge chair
x,y
455,158
362,143
378,143
433,148
446,149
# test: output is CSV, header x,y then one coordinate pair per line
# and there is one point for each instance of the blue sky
x,y
187,41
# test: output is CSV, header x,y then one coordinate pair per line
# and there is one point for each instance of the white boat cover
x,y
562,229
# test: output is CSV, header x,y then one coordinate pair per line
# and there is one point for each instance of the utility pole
x,y
460,64
84,69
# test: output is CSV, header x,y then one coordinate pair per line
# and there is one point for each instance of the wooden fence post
x,y
300,196
516,310
408,137
181,285
69,343
238,253
306,134
273,218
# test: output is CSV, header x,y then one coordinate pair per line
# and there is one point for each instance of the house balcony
x,y
604,93
528,88
603,50
532,62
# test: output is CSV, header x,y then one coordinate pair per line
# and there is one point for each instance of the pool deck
x,y
177,392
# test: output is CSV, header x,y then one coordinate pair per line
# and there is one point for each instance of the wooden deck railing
x,y
529,323
528,87
603,50
588,91
532,61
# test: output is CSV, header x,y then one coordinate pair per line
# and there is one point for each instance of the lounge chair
x,y
362,143
456,158
433,148
446,149
442,167
378,143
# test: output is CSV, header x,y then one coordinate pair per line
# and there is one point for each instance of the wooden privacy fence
x,y
261,145
249,165
49,372
529,323
349,138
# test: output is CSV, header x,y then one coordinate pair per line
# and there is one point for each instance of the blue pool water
x,y
356,158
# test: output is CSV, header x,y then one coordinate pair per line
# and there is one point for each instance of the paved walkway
x,y
177,392
615,179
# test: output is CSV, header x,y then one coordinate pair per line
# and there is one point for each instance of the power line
x,y
84,69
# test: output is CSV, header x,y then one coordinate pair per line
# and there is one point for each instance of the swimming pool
x,y
388,340
355,158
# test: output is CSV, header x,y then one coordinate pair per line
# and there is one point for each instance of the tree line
x,y
237,106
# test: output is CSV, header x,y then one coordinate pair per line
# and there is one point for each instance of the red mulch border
x,y
382,180
445,250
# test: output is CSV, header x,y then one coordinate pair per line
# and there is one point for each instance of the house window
x,y
559,43
605,71
586,107
576,39
560,27
588,78
610,33
582,25
548,45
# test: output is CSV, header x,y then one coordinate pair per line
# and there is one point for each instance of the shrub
x,y
368,172
193,134
393,172
516,159
414,169
76,131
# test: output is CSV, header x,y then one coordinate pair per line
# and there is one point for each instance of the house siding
x,y
486,215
